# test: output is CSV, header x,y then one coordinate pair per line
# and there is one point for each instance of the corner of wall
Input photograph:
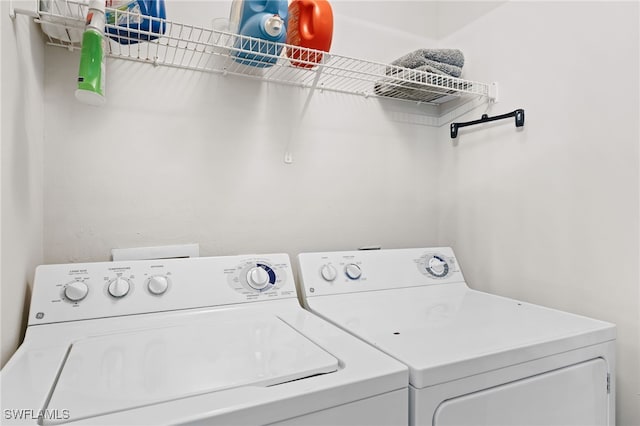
x,y
22,142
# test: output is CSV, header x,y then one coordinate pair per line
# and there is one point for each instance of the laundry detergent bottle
x,y
133,21
259,19
310,26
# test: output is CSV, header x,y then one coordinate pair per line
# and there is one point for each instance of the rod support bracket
x,y
517,114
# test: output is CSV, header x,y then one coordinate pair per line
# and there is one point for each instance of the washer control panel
x,y
354,271
105,289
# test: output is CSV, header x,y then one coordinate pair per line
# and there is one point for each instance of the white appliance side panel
x,y
382,410
574,395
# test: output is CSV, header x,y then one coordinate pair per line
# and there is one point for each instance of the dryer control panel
x,y
105,289
370,270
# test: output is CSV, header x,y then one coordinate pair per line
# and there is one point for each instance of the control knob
x,y
158,284
76,291
328,272
353,271
258,278
119,287
437,266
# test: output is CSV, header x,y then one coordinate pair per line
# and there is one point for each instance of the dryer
x,y
474,358
218,340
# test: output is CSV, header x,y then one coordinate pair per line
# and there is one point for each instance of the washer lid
x,y
111,373
446,332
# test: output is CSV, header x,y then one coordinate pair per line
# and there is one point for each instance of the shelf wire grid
x,y
63,21
131,37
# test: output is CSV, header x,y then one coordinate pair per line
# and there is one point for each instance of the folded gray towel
x,y
421,56
444,62
436,67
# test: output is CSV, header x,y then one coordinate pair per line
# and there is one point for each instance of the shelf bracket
x,y
14,11
517,114
493,92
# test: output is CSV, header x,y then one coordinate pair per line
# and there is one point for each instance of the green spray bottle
x,y
91,76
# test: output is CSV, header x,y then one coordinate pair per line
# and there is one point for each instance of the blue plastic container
x,y
143,15
261,19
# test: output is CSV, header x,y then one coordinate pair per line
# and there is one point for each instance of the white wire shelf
x,y
204,49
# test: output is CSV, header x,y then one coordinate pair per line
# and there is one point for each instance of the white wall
x,y
550,214
21,92
179,156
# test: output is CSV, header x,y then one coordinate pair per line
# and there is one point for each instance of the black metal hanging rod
x,y
518,114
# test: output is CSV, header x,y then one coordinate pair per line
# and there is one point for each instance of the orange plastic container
x,y
310,25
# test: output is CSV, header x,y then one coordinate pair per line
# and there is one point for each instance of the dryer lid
x,y
447,332
117,372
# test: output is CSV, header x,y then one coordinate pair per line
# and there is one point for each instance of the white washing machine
x,y
474,358
220,340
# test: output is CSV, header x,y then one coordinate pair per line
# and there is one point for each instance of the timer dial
x,y
260,277
257,278
437,266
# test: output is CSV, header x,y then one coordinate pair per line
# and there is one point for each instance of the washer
x,y
474,358
219,340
